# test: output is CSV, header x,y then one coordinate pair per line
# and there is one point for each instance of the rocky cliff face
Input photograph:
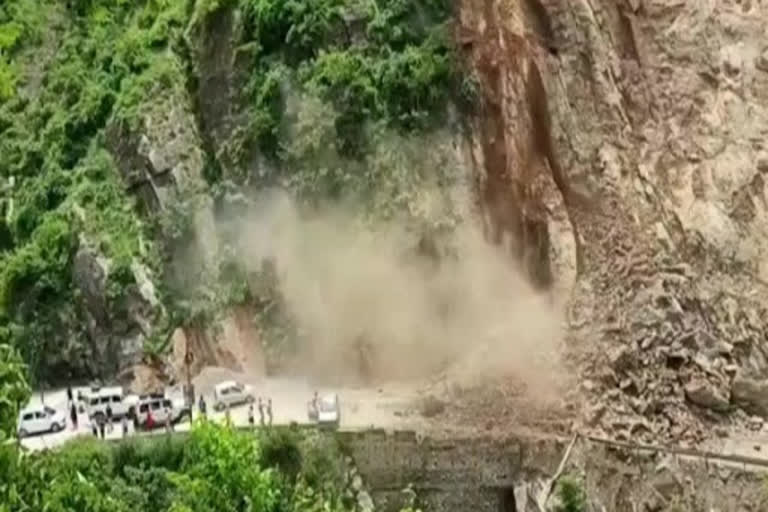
x,y
624,144
616,149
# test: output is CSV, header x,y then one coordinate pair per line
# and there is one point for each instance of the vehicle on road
x,y
326,410
229,393
36,420
133,400
160,407
96,403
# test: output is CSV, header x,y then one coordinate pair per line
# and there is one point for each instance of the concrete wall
x,y
462,475
505,475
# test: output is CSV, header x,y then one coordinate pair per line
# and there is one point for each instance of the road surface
x,y
360,408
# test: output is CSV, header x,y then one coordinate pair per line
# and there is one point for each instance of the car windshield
x,y
328,404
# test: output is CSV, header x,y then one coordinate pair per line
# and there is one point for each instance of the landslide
x,y
632,134
512,196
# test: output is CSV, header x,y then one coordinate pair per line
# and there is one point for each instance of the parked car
x,y
160,407
229,393
35,420
327,411
96,403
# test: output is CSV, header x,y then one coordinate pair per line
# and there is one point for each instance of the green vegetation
x,y
97,63
339,96
14,390
217,469
390,65
571,493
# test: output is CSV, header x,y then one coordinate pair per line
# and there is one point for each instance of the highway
x,y
360,408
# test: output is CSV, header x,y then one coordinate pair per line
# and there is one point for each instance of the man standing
x,y
269,411
250,415
168,423
261,412
73,415
201,406
69,394
125,425
109,418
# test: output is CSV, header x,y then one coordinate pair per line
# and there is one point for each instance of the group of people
x,y
102,424
268,408
265,411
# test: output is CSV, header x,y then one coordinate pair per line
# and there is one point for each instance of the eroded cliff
x,y
612,154
632,134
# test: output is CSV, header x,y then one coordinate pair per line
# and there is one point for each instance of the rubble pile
x,y
669,356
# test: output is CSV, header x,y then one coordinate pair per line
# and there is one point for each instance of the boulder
x,y
751,394
705,394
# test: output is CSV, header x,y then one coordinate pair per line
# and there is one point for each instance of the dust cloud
x,y
472,315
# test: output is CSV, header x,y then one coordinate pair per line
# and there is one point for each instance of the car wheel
x,y
23,433
55,427
218,407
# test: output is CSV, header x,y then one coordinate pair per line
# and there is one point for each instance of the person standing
x,y
150,423
69,394
109,418
73,415
261,412
250,415
201,406
125,425
168,422
269,411
227,415
101,422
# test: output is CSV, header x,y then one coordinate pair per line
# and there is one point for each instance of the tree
x,y
14,389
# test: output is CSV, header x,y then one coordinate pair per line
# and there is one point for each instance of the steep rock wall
x,y
649,168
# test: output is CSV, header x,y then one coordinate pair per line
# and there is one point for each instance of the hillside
x,y
541,192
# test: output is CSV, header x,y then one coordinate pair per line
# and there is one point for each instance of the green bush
x,y
14,390
572,496
215,469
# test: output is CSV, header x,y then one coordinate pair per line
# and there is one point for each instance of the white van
x,y
96,403
161,408
230,392
34,420
328,410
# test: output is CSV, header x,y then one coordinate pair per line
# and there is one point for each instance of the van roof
x,y
113,390
226,384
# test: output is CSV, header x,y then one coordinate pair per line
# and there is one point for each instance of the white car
x,y
328,410
161,408
229,393
96,403
34,420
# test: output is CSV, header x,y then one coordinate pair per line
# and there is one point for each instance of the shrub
x,y
572,496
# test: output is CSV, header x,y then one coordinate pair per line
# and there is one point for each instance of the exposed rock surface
x,y
117,326
647,175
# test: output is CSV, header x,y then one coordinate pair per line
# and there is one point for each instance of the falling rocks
x,y
621,358
705,394
751,394
432,406
761,62
667,483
